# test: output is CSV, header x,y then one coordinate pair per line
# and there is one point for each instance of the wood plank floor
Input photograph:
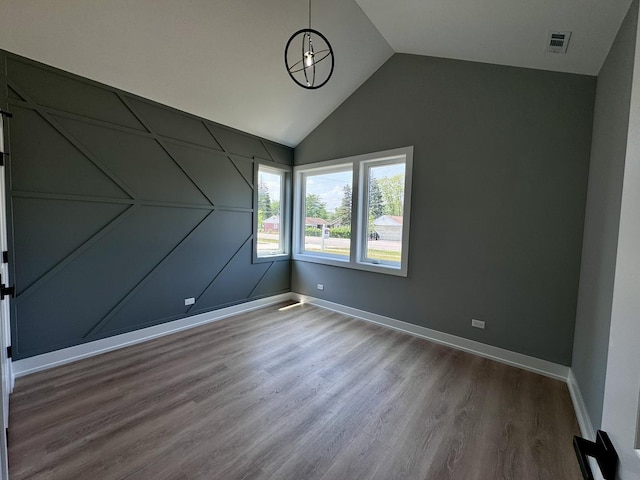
x,y
299,393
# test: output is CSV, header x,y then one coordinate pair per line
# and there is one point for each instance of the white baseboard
x,y
586,427
543,367
560,372
526,362
60,357
90,349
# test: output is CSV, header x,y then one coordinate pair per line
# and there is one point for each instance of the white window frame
x,y
299,221
285,210
359,221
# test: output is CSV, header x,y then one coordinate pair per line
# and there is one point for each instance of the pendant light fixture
x,y
308,57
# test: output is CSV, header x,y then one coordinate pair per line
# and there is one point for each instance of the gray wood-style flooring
x,y
296,393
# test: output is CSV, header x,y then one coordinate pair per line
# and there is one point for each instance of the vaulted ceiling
x,y
505,32
223,60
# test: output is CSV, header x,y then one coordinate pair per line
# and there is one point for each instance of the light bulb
x,y
308,59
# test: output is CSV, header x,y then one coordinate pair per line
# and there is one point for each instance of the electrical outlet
x,y
477,323
189,301
320,286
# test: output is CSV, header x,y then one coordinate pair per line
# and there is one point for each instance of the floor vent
x,y
558,42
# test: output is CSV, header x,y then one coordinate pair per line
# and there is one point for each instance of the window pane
x,y
270,232
327,213
385,210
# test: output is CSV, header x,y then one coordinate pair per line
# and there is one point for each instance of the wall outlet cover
x,y
477,323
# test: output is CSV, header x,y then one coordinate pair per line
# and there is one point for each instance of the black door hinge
x,y
602,450
9,352
6,290
5,257
4,154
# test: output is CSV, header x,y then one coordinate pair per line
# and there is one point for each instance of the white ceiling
x,y
504,32
220,59
223,60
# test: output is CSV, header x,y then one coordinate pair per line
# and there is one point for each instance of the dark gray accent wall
x,y
501,163
120,208
608,152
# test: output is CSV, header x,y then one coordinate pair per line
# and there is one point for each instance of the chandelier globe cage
x,y
308,57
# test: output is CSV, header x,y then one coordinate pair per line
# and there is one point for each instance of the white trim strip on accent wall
x,y
537,365
67,355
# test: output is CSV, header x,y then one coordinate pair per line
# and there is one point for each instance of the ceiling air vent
x,y
558,42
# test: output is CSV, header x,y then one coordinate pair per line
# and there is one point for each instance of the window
x,y
325,214
271,212
354,212
383,211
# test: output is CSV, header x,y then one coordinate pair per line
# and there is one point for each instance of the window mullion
x,y
355,209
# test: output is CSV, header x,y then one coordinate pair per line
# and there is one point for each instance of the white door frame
x,y
6,375
621,407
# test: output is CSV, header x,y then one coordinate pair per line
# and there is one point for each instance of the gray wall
x,y
121,208
500,176
608,151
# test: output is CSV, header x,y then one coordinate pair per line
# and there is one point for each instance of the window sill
x,y
271,258
346,263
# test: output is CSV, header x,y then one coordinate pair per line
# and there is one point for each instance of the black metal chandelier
x,y
307,66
